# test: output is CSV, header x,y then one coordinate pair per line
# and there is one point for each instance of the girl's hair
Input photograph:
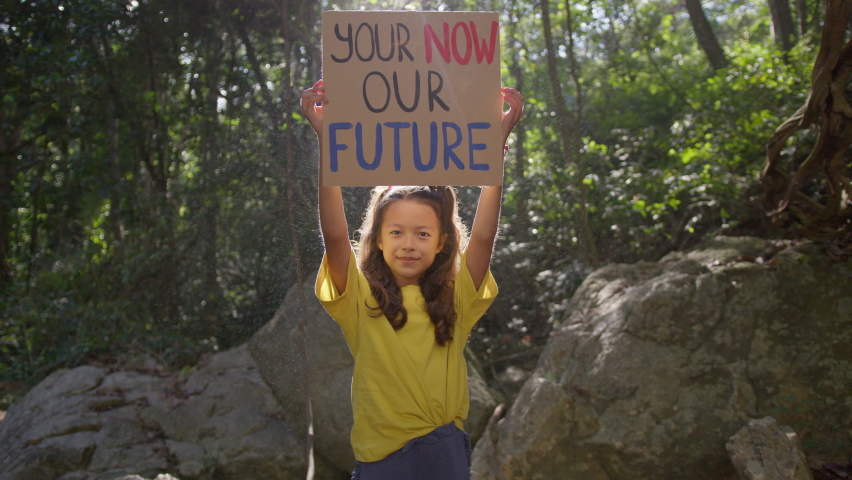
x,y
436,283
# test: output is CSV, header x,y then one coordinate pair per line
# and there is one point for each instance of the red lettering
x,y
485,50
444,49
463,60
449,48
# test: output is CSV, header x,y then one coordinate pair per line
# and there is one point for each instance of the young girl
x,y
407,301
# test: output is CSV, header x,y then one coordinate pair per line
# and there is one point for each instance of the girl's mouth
x,y
407,260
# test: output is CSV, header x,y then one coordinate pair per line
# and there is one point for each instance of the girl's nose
x,y
408,243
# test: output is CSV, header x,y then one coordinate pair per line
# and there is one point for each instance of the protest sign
x,y
414,98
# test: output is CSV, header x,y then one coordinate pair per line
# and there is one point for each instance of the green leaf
x,y
688,155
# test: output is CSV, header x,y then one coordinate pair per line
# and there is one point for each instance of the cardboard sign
x,y
414,98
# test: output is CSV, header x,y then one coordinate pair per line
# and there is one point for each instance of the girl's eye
x,y
424,234
394,232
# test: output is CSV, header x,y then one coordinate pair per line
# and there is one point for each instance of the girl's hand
x,y
516,109
310,110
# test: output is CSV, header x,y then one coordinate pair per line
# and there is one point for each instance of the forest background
x,y
157,184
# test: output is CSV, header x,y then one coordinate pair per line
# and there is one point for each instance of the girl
x,y
407,301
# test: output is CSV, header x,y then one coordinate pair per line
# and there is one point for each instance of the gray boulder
x,y
763,450
656,365
483,399
277,350
95,424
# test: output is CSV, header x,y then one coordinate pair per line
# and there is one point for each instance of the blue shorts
x,y
443,454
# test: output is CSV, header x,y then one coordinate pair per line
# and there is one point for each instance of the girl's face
x,y
410,238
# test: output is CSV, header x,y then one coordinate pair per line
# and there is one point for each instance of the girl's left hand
x,y
516,109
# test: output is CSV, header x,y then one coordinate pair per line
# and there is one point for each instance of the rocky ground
x,y
236,415
728,361
657,364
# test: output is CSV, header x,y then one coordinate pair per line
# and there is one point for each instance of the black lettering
x,y
400,43
347,39
358,43
416,92
367,100
433,92
379,48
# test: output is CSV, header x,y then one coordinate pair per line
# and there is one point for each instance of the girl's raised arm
x,y
484,231
335,231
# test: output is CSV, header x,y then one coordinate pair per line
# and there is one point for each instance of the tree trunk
x,y
789,200
578,141
569,141
36,206
802,14
10,143
7,172
705,36
104,51
521,220
783,30
294,232
115,173
208,228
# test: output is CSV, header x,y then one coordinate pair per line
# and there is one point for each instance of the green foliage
x,y
148,215
671,150
144,182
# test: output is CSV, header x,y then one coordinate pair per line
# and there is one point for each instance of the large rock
x,y
656,365
764,450
95,424
277,350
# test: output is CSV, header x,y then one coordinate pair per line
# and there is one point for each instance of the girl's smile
x,y
410,238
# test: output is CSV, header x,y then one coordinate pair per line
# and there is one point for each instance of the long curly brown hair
x,y
436,284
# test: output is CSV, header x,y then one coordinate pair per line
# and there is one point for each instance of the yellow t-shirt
x,y
404,385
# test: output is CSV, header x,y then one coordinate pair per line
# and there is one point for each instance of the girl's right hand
x,y
310,109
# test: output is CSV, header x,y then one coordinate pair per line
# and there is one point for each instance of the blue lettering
x,y
359,148
449,154
335,147
452,140
433,147
396,126
476,146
